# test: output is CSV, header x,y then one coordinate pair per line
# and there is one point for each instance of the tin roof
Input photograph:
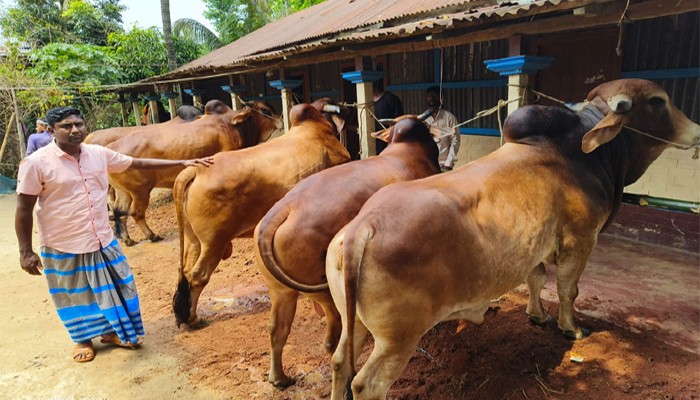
x,y
334,23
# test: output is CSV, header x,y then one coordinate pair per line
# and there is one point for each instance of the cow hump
x,y
537,120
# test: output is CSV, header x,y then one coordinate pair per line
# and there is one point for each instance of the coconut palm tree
x,y
195,31
168,33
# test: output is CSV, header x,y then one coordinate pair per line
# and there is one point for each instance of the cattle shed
x,y
481,52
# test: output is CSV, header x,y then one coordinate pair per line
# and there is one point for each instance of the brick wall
x,y
657,226
674,175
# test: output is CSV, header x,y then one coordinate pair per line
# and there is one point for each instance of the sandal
x,y
114,339
82,354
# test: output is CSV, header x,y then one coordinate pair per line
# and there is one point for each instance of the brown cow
x,y
220,129
440,248
292,238
217,204
104,137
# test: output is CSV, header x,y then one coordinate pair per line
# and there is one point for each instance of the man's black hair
x,y
435,89
60,113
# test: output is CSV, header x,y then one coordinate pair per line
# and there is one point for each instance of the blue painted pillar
x,y
517,69
365,100
286,86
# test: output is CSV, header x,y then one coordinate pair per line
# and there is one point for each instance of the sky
x,y
146,13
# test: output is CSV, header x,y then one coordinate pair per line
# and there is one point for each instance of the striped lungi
x,y
94,293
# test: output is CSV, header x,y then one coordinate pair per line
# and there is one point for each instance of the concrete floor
x,y
642,288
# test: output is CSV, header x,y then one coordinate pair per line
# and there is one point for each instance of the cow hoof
x,y
580,333
539,321
129,242
282,384
155,238
196,323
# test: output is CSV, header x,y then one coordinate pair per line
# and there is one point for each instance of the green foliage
x,y
236,18
194,31
40,22
84,64
141,53
90,23
35,21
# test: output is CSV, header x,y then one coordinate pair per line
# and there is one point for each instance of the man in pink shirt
x,y
88,276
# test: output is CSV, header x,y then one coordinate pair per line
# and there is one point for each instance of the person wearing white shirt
x,y
446,123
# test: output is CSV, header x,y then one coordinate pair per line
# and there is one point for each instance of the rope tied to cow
x,y
696,153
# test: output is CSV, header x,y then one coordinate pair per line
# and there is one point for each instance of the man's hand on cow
x,y
30,262
205,161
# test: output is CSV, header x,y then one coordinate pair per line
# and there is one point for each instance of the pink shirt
x,y
71,210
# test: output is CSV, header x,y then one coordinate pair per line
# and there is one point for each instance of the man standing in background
x,y
41,138
446,122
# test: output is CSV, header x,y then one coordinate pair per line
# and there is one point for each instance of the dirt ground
x,y
641,303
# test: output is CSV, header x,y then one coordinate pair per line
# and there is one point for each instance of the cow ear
x,y
240,117
339,122
603,132
383,135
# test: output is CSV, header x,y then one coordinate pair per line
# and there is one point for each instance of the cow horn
x,y
620,103
329,108
424,115
387,121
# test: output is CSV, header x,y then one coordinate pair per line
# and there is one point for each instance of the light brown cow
x,y
440,248
104,137
292,238
220,129
217,204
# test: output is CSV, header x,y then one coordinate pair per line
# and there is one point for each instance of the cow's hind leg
x,y
535,310
284,305
121,205
138,212
333,325
200,273
341,363
384,366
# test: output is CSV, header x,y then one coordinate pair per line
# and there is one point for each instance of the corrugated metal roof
x,y
339,21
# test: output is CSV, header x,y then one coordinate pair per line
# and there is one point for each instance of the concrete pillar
x,y
122,102
235,91
196,97
172,102
137,110
153,108
286,86
125,117
518,69
365,108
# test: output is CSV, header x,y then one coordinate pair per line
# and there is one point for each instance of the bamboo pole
x,y
7,133
20,131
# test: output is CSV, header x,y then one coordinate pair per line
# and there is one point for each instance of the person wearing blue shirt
x,y
41,138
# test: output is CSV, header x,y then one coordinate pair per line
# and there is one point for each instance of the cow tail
x,y
181,299
354,245
266,235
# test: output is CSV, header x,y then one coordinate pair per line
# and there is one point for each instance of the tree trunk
x,y
168,33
